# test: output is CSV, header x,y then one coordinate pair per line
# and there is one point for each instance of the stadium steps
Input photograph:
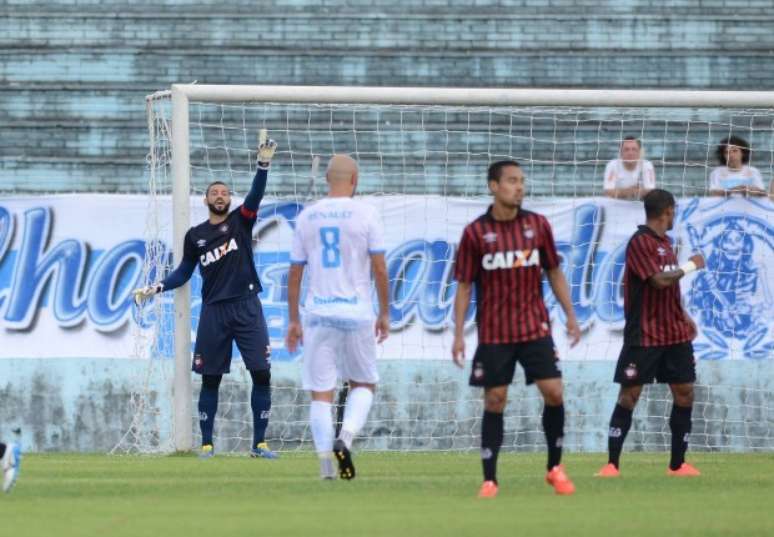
x,y
73,75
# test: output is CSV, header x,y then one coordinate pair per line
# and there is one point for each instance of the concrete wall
x,y
85,405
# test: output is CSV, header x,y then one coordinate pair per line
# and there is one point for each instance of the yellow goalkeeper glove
x,y
144,293
266,149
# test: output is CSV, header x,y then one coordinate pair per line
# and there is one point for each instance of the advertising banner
x,y
68,265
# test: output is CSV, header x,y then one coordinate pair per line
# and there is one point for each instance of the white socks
x,y
321,423
355,414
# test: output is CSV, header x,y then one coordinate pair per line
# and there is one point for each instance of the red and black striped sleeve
x,y
549,257
466,265
641,257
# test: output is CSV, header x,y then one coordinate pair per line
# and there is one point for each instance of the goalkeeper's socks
x,y
321,423
260,402
491,440
620,423
553,427
208,406
356,412
2,450
680,423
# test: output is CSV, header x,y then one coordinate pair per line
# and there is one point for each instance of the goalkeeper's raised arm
x,y
266,149
218,200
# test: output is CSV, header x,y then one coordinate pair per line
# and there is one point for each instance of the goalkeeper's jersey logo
x,y
218,253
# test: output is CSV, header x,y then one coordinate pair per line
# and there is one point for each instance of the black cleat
x,y
343,456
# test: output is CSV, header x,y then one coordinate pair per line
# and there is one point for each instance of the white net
x,y
424,167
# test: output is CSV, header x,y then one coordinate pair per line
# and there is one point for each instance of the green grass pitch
x,y
395,494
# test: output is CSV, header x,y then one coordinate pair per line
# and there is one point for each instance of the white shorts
x,y
333,348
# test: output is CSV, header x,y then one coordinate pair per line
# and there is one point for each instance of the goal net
x,y
423,156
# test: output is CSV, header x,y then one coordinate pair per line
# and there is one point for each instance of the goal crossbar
x,y
477,96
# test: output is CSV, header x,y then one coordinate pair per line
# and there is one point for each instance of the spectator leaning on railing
x,y
734,176
629,176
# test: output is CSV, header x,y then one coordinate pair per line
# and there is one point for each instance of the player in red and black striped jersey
x,y
657,335
503,253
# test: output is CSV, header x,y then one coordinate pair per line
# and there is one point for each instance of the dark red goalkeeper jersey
x,y
505,261
654,317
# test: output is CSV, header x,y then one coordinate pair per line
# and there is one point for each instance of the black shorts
x,y
670,364
223,323
494,364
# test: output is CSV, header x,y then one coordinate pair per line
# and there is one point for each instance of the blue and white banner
x,y
68,265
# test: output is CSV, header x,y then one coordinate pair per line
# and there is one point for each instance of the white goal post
x,y
183,95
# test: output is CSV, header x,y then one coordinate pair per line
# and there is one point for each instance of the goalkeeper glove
x,y
266,149
144,293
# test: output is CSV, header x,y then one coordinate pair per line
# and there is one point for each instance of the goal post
x,y
181,222
241,105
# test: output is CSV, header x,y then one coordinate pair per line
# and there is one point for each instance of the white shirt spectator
x,y
724,178
617,176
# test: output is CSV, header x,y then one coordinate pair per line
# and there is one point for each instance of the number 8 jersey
x,y
335,238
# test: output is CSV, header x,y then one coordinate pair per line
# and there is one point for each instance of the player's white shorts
x,y
333,347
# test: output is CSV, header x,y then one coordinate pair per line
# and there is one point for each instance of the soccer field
x,y
395,494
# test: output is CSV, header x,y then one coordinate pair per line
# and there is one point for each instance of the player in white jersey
x,y
340,241
629,176
10,461
734,175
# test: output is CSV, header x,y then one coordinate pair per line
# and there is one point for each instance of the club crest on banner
x,y
731,300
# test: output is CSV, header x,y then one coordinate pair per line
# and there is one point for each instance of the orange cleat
x,y
608,470
559,480
685,470
488,489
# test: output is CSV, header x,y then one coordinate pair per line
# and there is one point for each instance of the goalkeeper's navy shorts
x,y
224,323
494,364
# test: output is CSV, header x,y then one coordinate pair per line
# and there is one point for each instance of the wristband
x,y
688,267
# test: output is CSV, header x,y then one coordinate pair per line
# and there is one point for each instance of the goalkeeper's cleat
x,y
608,470
262,451
488,489
558,479
344,457
326,468
685,470
11,463
207,452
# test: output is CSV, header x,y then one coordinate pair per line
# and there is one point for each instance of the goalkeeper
x,y
231,310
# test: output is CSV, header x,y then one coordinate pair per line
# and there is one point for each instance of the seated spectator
x,y
734,176
629,176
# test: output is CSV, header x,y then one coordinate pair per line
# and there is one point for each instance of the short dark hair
x,y
657,201
739,142
630,139
212,184
495,170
